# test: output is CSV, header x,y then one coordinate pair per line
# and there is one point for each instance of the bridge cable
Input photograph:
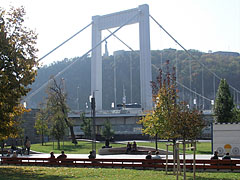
x,y
158,69
66,68
188,51
64,42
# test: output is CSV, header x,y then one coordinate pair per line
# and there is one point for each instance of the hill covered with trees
x,y
189,73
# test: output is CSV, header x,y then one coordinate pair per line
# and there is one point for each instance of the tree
x,y
188,125
171,119
223,108
236,112
57,99
17,67
157,123
107,132
42,123
58,126
86,126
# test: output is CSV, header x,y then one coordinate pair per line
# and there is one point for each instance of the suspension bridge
x,y
118,20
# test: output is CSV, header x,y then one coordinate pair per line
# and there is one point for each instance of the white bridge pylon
x,y
137,15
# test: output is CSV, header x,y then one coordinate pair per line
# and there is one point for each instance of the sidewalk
x,y
119,156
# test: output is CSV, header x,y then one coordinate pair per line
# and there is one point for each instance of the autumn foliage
x,y
171,119
18,67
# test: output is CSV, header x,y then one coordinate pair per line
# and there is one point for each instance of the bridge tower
x,y
139,15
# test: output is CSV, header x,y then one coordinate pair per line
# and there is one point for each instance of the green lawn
x,y
83,147
202,147
67,173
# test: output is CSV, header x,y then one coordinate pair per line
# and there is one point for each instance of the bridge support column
x,y
96,64
139,15
145,58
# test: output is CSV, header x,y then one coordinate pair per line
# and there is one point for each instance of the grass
x,y
202,147
68,173
83,147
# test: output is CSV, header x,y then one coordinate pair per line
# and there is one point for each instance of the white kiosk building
x,y
226,139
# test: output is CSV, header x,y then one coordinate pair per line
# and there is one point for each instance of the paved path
x,y
119,156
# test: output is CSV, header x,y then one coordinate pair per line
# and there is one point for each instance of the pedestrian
x,y
9,153
134,148
52,156
149,155
27,144
62,155
14,154
226,156
129,147
215,156
157,155
91,155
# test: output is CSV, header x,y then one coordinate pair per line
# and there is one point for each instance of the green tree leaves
x,y
171,119
86,126
223,108
107,131
17,66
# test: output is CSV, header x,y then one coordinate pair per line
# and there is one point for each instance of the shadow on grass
x,y
199,177
13,173
209,178
204,152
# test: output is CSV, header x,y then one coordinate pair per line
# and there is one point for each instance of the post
x,y
184,159
156,141
178,161
42,133
194,160
174,156
166,159
212,136
93,112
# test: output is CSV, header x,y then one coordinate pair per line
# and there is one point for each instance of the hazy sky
x,y
197,24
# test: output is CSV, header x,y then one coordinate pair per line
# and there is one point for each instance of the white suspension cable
x,y
189,52
66,68
163,72
64,42
186,87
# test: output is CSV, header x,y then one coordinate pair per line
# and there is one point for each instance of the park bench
x,y
200,164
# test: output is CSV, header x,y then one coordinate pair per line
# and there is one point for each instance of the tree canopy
x,y
107,131
18,67
226,66
223,108
86,126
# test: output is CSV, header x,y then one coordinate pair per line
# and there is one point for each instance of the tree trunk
x,y
184,160
174,156
74,141
58,144
156,141
166,168
42,138
2,146
194,160
71,129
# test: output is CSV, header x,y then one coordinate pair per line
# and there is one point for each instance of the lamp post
x,y
78,106
93,114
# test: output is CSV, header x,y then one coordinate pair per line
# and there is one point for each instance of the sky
x,y
197,24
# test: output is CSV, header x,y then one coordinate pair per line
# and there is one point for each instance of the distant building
x,y
226,53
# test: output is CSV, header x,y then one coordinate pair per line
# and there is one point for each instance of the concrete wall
x,y
226,138
28,125
124,127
